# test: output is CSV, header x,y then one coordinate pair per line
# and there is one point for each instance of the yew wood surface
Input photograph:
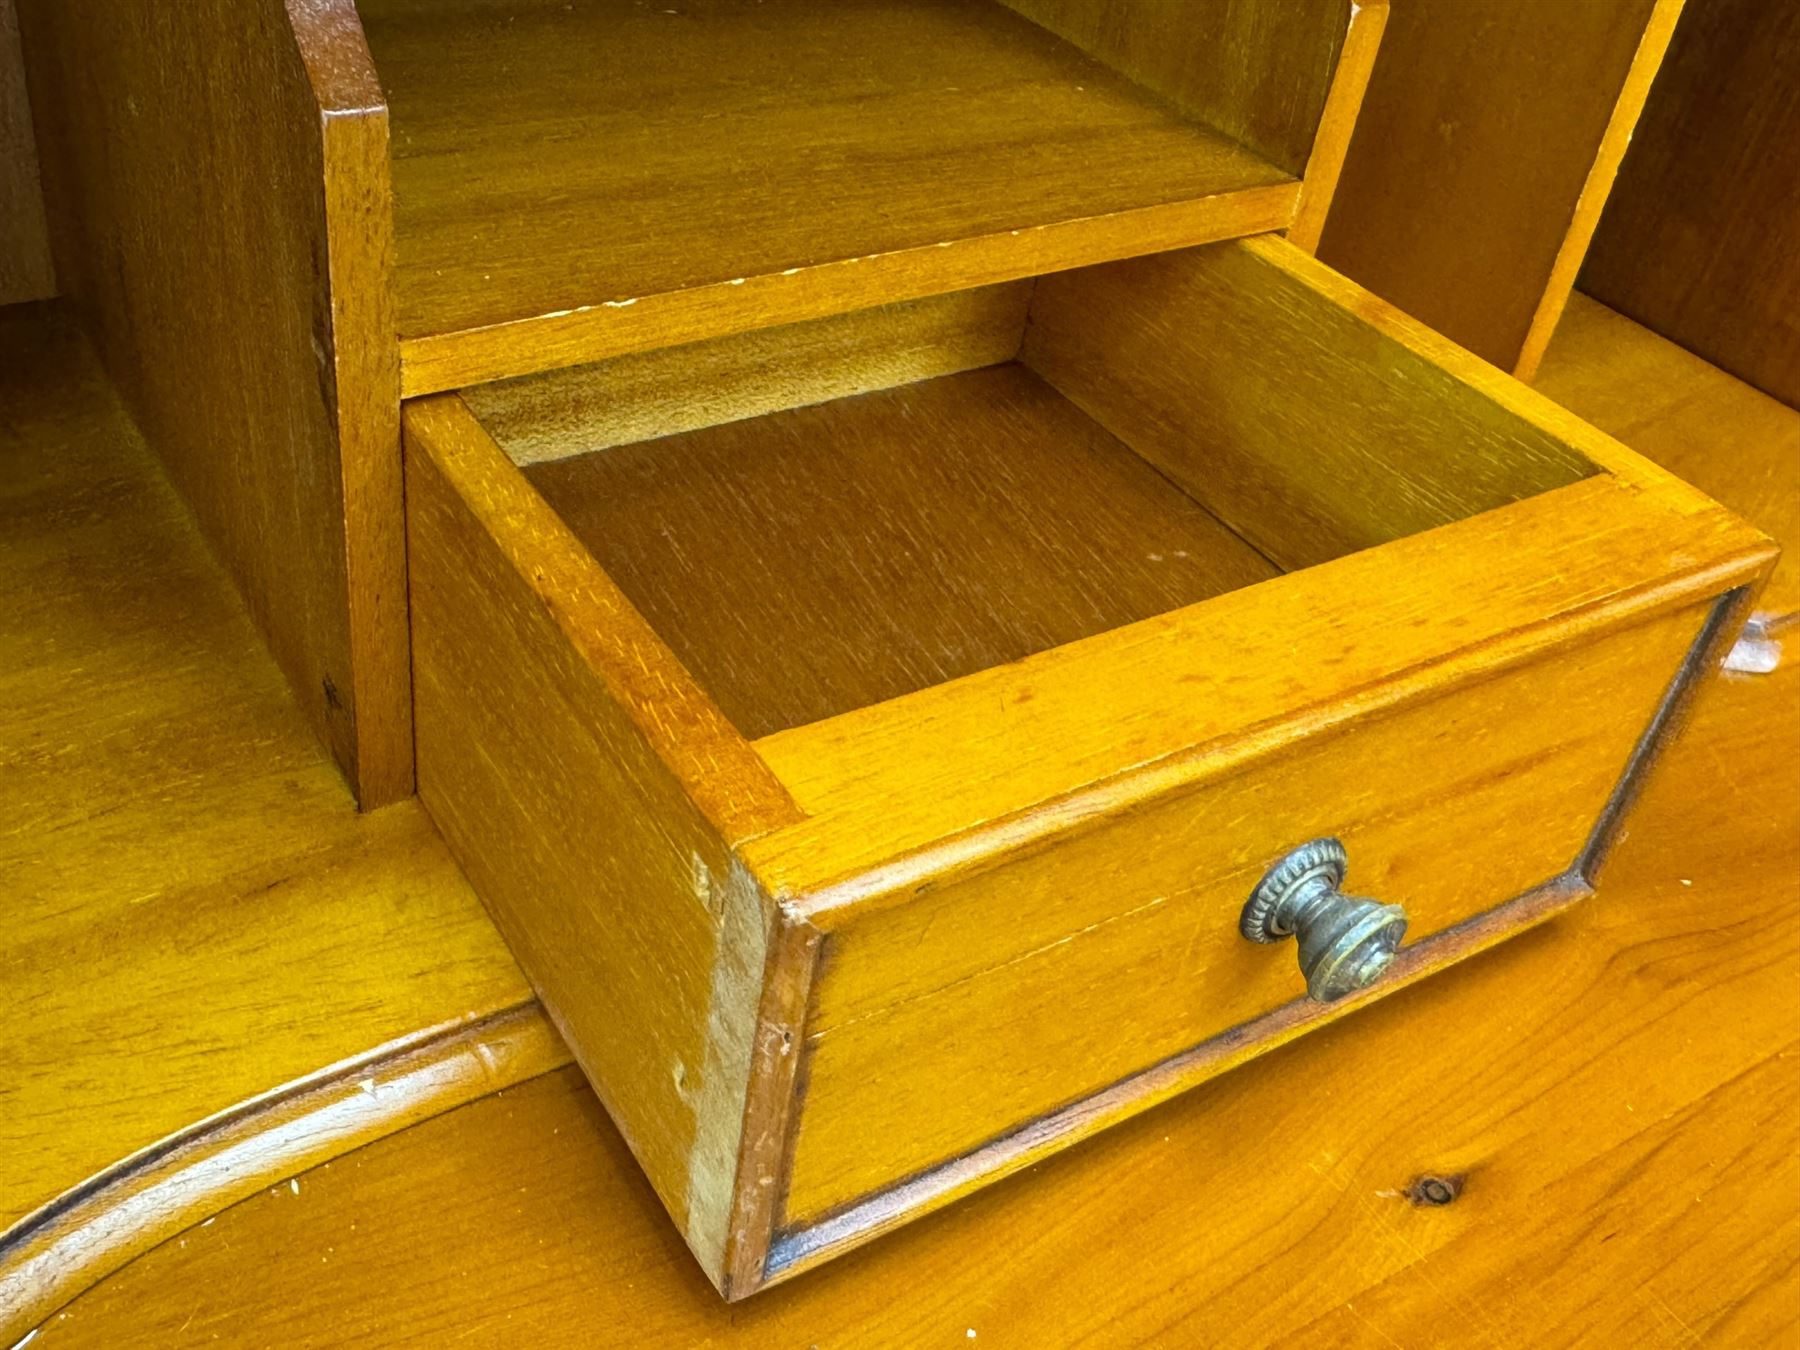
x,y
1727,438
26,272
940,1025
1613,1102
196,916
1599,1235
595,795
758,546
933,782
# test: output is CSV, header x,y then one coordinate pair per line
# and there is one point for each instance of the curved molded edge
x,y
78,1239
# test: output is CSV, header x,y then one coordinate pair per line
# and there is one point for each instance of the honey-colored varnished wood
x,y
1483,155
999,762
1611,1104
705,384
202,934
1085,988
216,180
1260,73
816,561
1244,374
1702,240
1727,438
26,272
574,182
595,795
935,779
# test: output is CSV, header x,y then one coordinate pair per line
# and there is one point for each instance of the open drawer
x,y
868,733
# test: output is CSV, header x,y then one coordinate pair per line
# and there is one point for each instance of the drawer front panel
x,y
948,1021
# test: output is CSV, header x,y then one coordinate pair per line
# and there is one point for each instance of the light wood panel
x,y
1702,240
1617,1094
26,272
576,763
595,796
902,1072
217,188
197,917
933,783
1728,439
814,561
1483,154
1221,367
704,384
1261,73
564,191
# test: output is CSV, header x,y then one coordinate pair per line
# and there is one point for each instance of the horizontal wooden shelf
x,y
574,182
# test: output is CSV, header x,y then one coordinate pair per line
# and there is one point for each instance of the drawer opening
x,y
671,171
831,974
858,508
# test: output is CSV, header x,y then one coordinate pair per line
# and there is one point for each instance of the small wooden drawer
x,y
868,732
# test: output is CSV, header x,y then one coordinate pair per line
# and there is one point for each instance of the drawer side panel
x,y
957,1017
619,896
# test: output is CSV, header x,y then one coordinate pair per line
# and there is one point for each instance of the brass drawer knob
x,y
1346,942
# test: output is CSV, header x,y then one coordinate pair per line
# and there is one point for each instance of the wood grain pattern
x,y
1222,367
1728,439
563,194
193,1175
1119,948
810,562
1702,241
197,915
1261,73
594,795
1343,109
1619,1093
933,783
801,1249
703,384
26,272
217,189
573,753
1484,151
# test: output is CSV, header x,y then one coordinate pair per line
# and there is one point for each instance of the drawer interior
x,y
866,730
874,504
581,160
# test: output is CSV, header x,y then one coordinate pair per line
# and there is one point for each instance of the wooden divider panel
x,y
216,180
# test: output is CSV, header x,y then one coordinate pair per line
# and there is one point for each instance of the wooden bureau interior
x,y
806,561
875,541
614,175
973,656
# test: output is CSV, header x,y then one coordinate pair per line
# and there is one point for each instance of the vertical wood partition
x,y
216,179
1486,148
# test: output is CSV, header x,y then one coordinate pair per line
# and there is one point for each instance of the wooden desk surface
x,y
203,919
1617,1096
197,919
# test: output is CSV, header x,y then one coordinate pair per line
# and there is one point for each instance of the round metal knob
x,y
1346,942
